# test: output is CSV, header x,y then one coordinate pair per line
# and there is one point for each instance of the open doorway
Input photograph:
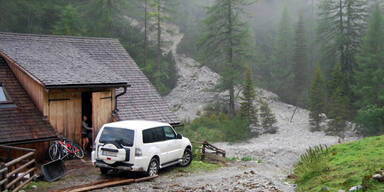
x,y
86,102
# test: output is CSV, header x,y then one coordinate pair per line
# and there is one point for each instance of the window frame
x,y
7,96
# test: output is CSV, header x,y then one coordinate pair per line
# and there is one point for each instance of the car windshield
x,y
117,136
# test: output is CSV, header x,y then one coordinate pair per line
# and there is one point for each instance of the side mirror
x,y
179,136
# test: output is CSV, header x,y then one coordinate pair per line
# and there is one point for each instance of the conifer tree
x,y
369,86
370,73
69,22
247,109
340,31
281,66
300,64
316,100
338,109
225,43
267,118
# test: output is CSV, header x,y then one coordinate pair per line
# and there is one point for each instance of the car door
x,y
173,144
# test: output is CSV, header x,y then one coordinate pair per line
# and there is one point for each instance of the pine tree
x,y
369,86
316,100
281,67
247,108
226,43
300,64
338,102
69,22
340,30
267,118
370,73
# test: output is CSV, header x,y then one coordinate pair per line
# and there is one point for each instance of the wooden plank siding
x,y
65,114
37,93
102,107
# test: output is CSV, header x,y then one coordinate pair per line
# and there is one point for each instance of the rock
x,y
252,172
378,177
356,188
324,189
291,176
34,187
340,191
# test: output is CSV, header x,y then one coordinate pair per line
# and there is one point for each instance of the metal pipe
x,y
118,95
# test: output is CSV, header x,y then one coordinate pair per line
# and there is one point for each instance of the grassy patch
x,y
343,166
38,184
247,158
196,166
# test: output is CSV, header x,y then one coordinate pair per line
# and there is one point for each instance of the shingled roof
x,y
64,60
20,121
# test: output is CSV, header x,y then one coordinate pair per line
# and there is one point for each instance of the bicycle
x,y
65,148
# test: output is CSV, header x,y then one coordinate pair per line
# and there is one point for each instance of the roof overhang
x,y
102,85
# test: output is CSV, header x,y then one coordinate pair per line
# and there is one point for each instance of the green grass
x,y
344,166
196,166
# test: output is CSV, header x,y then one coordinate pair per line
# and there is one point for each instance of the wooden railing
x,y
213,148
18,172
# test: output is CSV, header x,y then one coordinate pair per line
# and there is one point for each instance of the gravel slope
x,y
278,152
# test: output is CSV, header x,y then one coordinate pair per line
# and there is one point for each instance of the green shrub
x,y
213,127
370,120
312,163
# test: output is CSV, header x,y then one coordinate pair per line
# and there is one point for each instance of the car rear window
x,y
117,136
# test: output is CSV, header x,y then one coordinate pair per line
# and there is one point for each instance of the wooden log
x,y
84,185
20,168
19,159
19,178
113,183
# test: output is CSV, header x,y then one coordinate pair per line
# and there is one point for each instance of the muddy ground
x,y
233,176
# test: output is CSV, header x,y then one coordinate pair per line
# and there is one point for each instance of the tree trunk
x,y
145,32
230,63
158,35
342,56
1,11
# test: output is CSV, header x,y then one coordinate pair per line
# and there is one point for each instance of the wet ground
x,y
234,176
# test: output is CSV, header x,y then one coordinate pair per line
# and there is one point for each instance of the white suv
x,y
143,146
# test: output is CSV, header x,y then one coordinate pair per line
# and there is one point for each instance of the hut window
x,y
4,98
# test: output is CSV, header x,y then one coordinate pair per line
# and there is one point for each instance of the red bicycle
x,y
65,148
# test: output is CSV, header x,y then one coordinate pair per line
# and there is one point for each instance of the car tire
x,y
104,171
187,158
153,167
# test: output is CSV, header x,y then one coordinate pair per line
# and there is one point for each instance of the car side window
x,y
169,133
153,135
147,136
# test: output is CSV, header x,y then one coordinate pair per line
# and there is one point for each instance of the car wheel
x,y
187,158
104,171
153,167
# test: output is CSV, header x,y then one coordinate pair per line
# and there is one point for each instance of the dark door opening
x,y
86,106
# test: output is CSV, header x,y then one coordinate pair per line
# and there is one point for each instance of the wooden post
x,y
3,172
203,152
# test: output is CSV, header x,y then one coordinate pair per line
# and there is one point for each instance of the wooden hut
x,y
69,77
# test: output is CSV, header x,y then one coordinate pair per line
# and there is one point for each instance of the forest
x,y
323,55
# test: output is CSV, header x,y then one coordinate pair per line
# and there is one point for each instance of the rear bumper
x,y
120,166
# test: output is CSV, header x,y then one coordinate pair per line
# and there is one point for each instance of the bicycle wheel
x,y
78,151
54,151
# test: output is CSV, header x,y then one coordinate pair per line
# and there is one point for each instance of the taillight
x,y
138,152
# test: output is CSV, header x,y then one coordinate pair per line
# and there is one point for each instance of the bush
x,y
214,127
312,163
370,120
